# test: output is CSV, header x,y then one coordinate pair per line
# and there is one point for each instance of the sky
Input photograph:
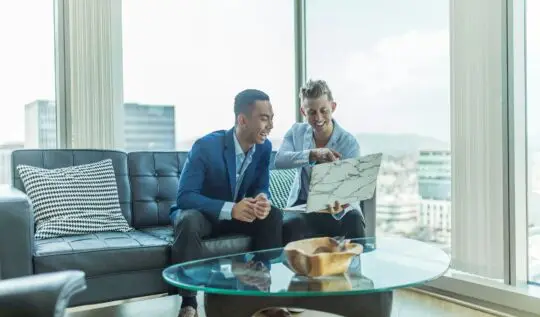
x,y
386,61
26,61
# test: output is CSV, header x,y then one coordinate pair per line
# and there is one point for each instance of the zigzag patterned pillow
x,y
74,200
280,185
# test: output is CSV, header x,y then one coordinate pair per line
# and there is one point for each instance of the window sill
x,y
522,300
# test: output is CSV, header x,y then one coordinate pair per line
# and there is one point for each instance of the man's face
x,y
318,112
259,125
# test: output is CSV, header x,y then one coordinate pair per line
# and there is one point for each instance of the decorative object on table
x,y
330,283
321,256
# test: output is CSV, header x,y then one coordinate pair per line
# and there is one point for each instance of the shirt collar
x,y
238,149
336,133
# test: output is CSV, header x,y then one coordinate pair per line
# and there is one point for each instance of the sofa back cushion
x,y
51,159
154,183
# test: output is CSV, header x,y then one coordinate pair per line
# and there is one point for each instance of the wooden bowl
x,y
332,283
320,256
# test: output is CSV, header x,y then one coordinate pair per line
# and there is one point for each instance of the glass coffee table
x,y
242,284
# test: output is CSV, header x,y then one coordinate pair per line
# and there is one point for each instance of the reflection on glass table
x,y
264,279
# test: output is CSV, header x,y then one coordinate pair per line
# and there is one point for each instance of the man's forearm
x,y
191,200
292,159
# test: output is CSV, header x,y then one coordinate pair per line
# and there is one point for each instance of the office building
x,y
397,196
149,127
434,188
146,127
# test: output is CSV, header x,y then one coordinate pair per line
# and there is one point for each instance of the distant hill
x,y
398,144
401,144
389,144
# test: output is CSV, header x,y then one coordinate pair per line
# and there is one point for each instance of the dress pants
x,y
192,226
298,226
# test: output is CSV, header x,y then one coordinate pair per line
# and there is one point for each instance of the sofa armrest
x,y
43,295
369,208
16,233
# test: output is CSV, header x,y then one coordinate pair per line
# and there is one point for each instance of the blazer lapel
x,y
230,159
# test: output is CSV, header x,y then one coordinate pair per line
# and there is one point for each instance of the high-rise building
x,y
434,186
149,127
146,127
397,196
40,125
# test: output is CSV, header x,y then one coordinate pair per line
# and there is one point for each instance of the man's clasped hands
x,y
249,209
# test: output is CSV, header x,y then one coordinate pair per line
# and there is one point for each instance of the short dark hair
x,y
244,101
316,89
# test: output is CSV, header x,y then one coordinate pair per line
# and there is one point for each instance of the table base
x,y
366,305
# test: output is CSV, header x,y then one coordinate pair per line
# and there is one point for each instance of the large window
x,y
388,64
28,117
418,80
184,61
533,135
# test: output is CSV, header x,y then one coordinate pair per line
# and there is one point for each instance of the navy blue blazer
x,y
208,178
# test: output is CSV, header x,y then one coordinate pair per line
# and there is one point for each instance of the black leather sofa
x,y
116,265
40,295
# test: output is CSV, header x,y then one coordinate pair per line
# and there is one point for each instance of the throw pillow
x,y
280,186
74,200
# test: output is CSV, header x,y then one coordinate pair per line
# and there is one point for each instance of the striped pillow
x,y
281,181
74,200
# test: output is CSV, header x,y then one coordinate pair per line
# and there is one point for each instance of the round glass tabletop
x,y
385,264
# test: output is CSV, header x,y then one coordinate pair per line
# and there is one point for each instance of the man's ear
x,y
334,104
303,111
242,120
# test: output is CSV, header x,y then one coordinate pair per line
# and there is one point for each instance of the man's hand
x,y
323,155
244,210
253,274
335,209
262,206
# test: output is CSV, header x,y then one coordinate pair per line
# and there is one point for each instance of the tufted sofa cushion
x,y
101,253
212,246
154,182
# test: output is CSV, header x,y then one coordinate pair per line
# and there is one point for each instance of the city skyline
x,y
398,76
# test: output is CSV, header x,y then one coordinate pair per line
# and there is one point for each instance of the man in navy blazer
x,y
224,187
